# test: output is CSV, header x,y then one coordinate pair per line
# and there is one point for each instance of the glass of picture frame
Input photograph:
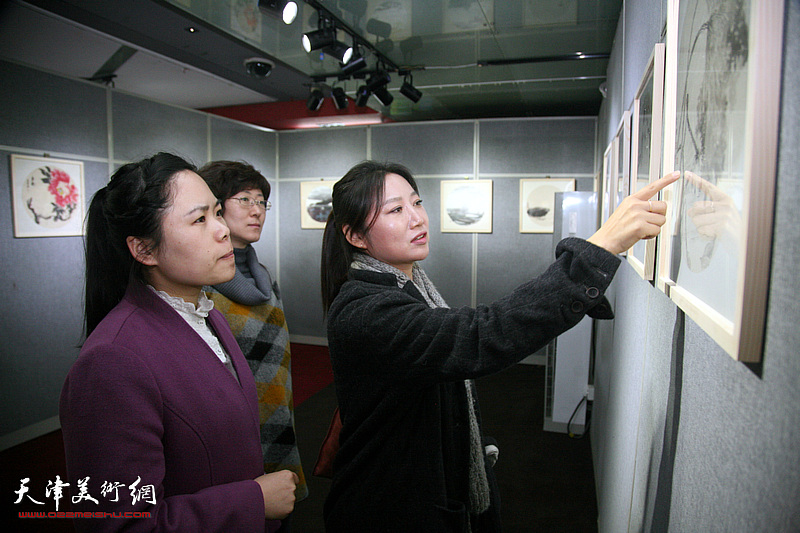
x,y
609,180
646,128
48,196
722,98
537,203
466,206
316,203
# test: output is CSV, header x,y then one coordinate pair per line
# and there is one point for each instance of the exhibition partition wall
x,y
48,116
685,437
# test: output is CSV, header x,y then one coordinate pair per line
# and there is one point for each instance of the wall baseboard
x,y
29,433
308,339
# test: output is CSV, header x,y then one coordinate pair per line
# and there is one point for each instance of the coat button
x,y
592,292
577,307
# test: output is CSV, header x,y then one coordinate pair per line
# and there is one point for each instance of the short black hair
x,y
228,178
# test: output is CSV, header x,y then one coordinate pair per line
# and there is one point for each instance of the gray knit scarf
x,y
479,485
251,283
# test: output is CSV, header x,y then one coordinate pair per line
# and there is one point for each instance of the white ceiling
x,y
34,37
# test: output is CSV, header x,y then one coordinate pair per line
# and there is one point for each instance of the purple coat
x,y
147,398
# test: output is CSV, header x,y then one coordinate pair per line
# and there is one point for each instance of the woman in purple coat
x,y
159,412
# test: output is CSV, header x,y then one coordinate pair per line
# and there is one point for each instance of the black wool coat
x,y
399,369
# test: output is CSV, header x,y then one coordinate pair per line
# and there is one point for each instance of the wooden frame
x,y
622,174
722,134
646,128
609,171
48,196
466,206
537,202
316,203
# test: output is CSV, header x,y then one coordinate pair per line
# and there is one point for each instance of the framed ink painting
x,y
646,127
622,185
609,181
466,206
722,98
537,203
48,196
316,203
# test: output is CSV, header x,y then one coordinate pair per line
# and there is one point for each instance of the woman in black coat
x,y
411,455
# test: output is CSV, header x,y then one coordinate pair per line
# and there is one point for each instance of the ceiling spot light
x,y
383,96
321,38
356,63
362,96
315,99
380,79
339,98
340,51
287,11
409,91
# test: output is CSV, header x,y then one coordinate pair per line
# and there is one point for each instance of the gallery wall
x,y
467,268
684,437
104,128
42,283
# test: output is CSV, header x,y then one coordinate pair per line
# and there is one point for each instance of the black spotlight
x,y
356,63
409,91
383,96
340,51
377,80
315,99
283,9
320,38
339,98
362,96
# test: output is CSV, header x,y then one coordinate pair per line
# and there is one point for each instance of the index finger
x,y
650,190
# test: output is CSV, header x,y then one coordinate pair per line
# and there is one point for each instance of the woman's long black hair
x,y
131,204
356,201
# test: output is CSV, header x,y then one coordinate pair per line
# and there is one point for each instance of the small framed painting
x,y
536,197
646,128
48,196
466,206
316,203
622,186
609,182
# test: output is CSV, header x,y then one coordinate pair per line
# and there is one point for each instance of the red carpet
x,y
311,371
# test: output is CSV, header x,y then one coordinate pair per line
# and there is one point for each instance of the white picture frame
x,y
537,203
48,196
609,181
466,206
316,203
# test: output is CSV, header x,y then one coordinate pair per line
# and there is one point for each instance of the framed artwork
x,y
316,203
48,196
646,126
607,204
466,206
722,96
536,203
622,186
